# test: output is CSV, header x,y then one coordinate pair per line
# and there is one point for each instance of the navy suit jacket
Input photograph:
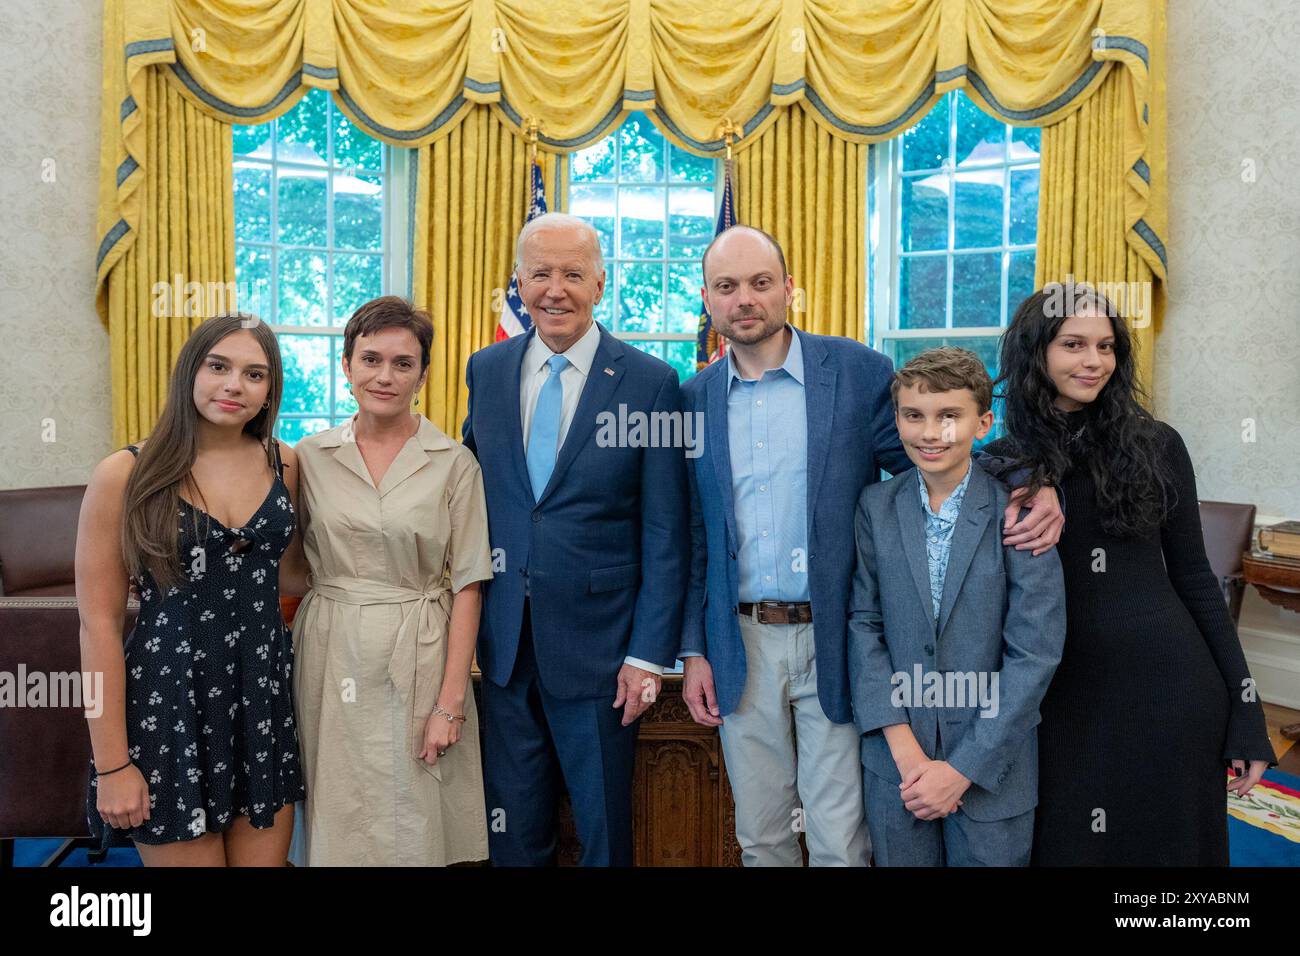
x,y
603,553
851,436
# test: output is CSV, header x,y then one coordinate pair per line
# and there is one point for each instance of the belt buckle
x,y
761,610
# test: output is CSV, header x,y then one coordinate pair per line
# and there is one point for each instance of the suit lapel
x,y
510,413
976,509
819,396
596,393
719,443
911,524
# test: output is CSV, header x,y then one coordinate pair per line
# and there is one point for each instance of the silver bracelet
x,y
450,717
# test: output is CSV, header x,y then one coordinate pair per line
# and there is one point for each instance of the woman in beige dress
x,y
396,542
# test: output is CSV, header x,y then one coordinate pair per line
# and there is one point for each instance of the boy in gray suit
x,y
953,637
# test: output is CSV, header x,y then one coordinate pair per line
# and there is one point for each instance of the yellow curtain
x,y
808,189
1089,230
471,197
180,268
820,76
865,69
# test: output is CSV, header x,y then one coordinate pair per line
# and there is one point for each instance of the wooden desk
x,y
1276,583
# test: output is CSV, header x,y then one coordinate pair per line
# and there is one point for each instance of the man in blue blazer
x,y
587,522
795,426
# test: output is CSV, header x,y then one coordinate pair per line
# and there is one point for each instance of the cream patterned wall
x,y
54,374
1229,350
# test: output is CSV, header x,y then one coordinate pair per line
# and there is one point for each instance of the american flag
x,y
709,346
514,317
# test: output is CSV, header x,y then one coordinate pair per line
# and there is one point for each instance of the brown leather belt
x,y
778,612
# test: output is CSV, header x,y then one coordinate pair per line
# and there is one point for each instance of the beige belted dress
x,y
370,645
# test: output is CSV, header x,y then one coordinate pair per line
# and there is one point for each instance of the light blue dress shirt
x,y
938,533
767,427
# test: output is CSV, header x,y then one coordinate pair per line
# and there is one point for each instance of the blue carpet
x,y
35,852
1264,828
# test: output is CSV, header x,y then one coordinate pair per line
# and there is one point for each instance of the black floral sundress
x,y
209,716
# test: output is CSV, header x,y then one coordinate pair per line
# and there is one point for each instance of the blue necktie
x,y
544,433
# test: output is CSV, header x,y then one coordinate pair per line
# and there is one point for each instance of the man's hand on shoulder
x,y
637,690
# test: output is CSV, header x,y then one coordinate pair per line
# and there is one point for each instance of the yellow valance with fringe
x,y
409,73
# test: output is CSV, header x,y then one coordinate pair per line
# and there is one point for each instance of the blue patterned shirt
x,y
938,533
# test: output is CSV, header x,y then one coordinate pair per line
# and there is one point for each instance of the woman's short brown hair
x,y
947,369
390,311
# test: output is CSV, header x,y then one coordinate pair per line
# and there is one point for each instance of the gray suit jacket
x,y
1002,611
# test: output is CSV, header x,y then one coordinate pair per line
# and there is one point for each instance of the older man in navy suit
x,y
796,426
588,527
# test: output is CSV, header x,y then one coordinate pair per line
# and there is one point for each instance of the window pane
x,y
980,138
1024,207
253,280
353,149
294,430
687,167
301,132
301,210
306,374
977,290
923,292
596,163
901,351
640,297
357,279
358,210
604,310
252,140
925,145
924,209
1020,280
641,148
344,403
977,216
641,222
302,288
1026,142
596,205
684,302
252,185
681,356
690,222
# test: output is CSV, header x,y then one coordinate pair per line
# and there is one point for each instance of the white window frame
x,y
885,258
611,266
395,252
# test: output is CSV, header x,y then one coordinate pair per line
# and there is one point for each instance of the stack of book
x,y
1279,544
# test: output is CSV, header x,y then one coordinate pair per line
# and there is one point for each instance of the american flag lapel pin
x,y
609,371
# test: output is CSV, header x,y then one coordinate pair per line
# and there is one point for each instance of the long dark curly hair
x,y
1121,443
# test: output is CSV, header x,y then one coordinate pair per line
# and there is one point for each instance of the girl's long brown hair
x,y
164,463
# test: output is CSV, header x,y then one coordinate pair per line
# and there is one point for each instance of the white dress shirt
x,y
533,375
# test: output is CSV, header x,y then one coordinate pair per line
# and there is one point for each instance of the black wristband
x,y
107,772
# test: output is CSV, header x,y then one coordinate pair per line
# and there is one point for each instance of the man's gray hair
x,y
549,221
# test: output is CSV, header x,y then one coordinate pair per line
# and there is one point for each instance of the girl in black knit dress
x,y
196,750
1152,702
